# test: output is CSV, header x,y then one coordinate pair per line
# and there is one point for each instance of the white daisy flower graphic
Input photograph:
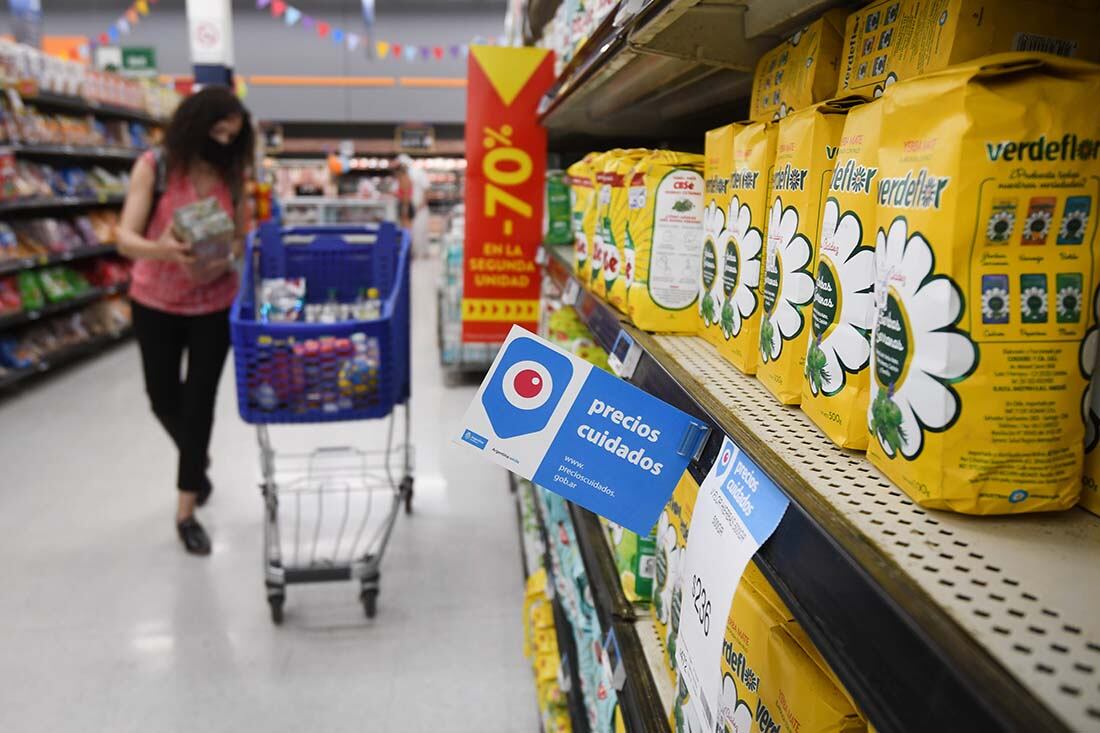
x,y
1090,401
616,533
880,89
843,303
1037,224
782,112
734,715
715,238
741,268
916,350
1033,303
581,245
667,575
1073,226
995,305
1068,303
788,286
1000,226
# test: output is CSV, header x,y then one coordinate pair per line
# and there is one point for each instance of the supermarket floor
x,y
106,625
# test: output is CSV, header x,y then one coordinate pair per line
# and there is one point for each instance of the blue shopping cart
x,y
352,368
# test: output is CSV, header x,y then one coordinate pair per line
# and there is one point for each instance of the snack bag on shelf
x,y
615,179
582,189
800,71
891,40
985,271
743,262
634,557
662,241
671,541
806,147
770,679
558,225
836,383
717,164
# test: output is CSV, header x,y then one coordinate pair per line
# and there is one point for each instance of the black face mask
x,y
214,152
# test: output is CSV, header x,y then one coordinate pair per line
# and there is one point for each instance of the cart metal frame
x,y
324,472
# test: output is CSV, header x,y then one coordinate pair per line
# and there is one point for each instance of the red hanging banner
x,y
505,180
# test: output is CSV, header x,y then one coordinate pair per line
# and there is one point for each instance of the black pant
x,y
184,406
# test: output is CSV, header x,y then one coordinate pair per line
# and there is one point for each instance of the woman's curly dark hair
x,y
189,131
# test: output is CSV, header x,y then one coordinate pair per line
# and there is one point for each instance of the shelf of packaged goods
x,y
44,204
640,699
24,317
567,644
670,72
62,357
933,621
17,264
79,105
76,152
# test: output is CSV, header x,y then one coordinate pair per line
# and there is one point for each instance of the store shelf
x,y
8,266
673,70
640,699
79,105
29,316
567,644
992,622
63,357
45,204
76,152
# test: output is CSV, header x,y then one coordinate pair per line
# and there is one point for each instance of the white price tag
x,y
624,356
571,292
540,256
737,509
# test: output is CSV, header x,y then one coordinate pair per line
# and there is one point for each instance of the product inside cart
x,y
321,334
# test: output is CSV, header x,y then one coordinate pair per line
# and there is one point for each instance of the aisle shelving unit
x,y
91,295
932,621
63,357
78,105
75,152
56,204
10,266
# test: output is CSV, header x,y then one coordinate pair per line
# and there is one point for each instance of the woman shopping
x,y
181,302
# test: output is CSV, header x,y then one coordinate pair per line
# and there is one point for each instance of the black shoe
x,y
193,536
204,492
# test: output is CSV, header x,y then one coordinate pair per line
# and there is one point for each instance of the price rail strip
x,y
848,595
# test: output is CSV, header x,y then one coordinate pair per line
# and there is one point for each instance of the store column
x,y
210,31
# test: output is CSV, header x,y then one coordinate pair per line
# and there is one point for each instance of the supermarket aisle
x,y
103,613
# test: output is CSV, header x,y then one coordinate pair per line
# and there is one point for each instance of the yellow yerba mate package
x,y
663,236
800,71
717,164
593,228
582,188
805,153
672,533
769,682
742,257
891,40
985,253
612,223
835,385
1090,411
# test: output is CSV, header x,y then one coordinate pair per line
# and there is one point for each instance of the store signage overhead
x,y
737,509
580,432
415,138
505,176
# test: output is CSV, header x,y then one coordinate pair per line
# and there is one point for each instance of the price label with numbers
x,y
505,187
737,509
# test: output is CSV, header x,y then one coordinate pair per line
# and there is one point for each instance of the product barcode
x,y
647,566
1044,44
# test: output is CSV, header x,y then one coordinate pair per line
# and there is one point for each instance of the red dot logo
x,y
527,385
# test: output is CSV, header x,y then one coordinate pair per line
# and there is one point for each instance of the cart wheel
x,y
407,490
276,603
370,602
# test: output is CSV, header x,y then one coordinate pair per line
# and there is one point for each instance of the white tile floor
x,y
106,625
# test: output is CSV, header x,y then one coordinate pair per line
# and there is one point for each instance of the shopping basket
x,y
356,368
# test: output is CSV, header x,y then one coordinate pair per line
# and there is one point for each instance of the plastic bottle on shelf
x,y
330,311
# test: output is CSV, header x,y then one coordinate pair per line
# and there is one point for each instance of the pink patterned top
x,y
167,286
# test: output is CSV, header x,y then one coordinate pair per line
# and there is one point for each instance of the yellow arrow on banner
x,y
500,310
508,68
382,48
